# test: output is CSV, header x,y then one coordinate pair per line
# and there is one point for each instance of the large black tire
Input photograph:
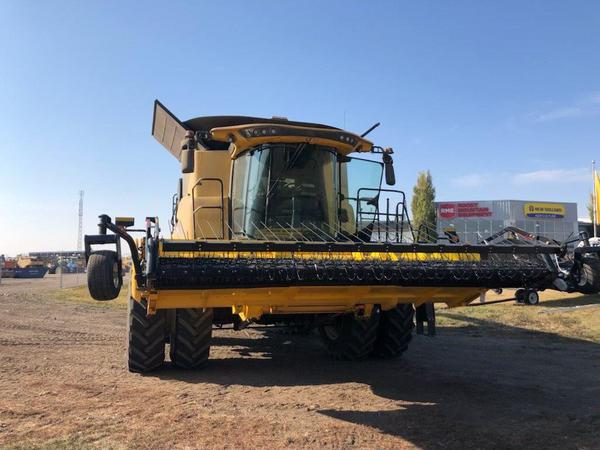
x,y
103,275
589,276
146,344
190,338
350,338
395,331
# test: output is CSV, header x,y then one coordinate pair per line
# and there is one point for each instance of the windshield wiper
x,y
288,166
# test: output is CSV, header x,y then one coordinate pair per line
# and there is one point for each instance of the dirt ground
x,y
501,376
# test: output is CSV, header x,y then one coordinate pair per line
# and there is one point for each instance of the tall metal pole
x,y
594,198
79,237
80,228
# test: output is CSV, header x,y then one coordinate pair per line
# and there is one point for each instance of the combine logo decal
x,y
544,210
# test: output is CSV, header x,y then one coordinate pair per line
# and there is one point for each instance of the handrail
x,y
222,207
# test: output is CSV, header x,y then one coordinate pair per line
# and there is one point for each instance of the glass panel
x,y
281,189
359,177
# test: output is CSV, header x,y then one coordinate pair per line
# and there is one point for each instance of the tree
x,y
423,209
590,207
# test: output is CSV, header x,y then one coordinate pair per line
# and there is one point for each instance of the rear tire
x,y
395,331
104,275
190,337
350,338
589,278
146,344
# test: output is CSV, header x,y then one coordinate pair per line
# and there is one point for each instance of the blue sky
x,y
496,99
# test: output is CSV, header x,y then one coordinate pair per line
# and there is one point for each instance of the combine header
x,y
281,222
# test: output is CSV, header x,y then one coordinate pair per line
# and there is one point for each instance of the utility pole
x,y
80,229
79,238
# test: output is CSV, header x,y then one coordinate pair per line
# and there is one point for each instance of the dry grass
x,y
568,315
81,295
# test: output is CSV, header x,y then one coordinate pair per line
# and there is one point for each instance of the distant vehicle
x,y
24,267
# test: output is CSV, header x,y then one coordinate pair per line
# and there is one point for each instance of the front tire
x,y
104,275
190,337
350,338
146,343
395,331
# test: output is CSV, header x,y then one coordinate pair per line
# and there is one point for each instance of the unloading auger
x,y
282,222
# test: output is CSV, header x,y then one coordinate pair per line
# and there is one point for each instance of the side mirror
x,y
187,161
388,164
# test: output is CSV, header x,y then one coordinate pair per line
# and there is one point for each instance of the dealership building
x,y
476,220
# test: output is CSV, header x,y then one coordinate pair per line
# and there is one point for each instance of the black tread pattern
x,y
356,336
395,331
100,275
591,274
190,338
146,344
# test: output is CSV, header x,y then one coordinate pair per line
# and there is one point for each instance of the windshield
x,y
280,188
298,192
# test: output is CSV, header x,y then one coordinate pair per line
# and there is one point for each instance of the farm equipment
x,y
281,222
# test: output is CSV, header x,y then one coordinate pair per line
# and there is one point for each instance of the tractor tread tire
x,y
146,344
100,275
591,272
395,331
356,339
190,337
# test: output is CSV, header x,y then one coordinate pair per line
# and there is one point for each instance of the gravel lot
x,y
64,384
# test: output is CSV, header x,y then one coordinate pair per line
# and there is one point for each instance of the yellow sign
x,y
597,194
544,210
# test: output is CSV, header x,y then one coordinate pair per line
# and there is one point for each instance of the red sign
x,y
447,210
464,210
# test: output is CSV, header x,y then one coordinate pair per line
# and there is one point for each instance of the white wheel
x,y
532,297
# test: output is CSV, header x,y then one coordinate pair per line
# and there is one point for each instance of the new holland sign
x,y
544,210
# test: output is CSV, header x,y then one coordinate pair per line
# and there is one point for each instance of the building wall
x,y
476,220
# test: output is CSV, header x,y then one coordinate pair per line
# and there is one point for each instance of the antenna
x,y
370,129
80,229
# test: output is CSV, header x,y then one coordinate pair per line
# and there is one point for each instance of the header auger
x,y
282,222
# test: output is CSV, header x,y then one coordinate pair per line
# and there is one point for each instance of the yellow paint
x,y
341,256
241,143
252,303
597,197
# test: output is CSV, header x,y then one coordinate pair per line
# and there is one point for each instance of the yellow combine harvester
x,y
281,222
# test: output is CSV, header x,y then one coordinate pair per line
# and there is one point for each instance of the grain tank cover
x,y
168,129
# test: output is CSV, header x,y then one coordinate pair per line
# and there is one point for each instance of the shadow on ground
x,y
567,302
533,390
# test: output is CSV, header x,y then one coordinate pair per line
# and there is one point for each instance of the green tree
x,y
590,207
423,209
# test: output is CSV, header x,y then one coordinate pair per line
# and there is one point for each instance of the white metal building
x,y
476,220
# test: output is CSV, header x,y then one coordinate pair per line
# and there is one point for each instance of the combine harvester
x,y
280,222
